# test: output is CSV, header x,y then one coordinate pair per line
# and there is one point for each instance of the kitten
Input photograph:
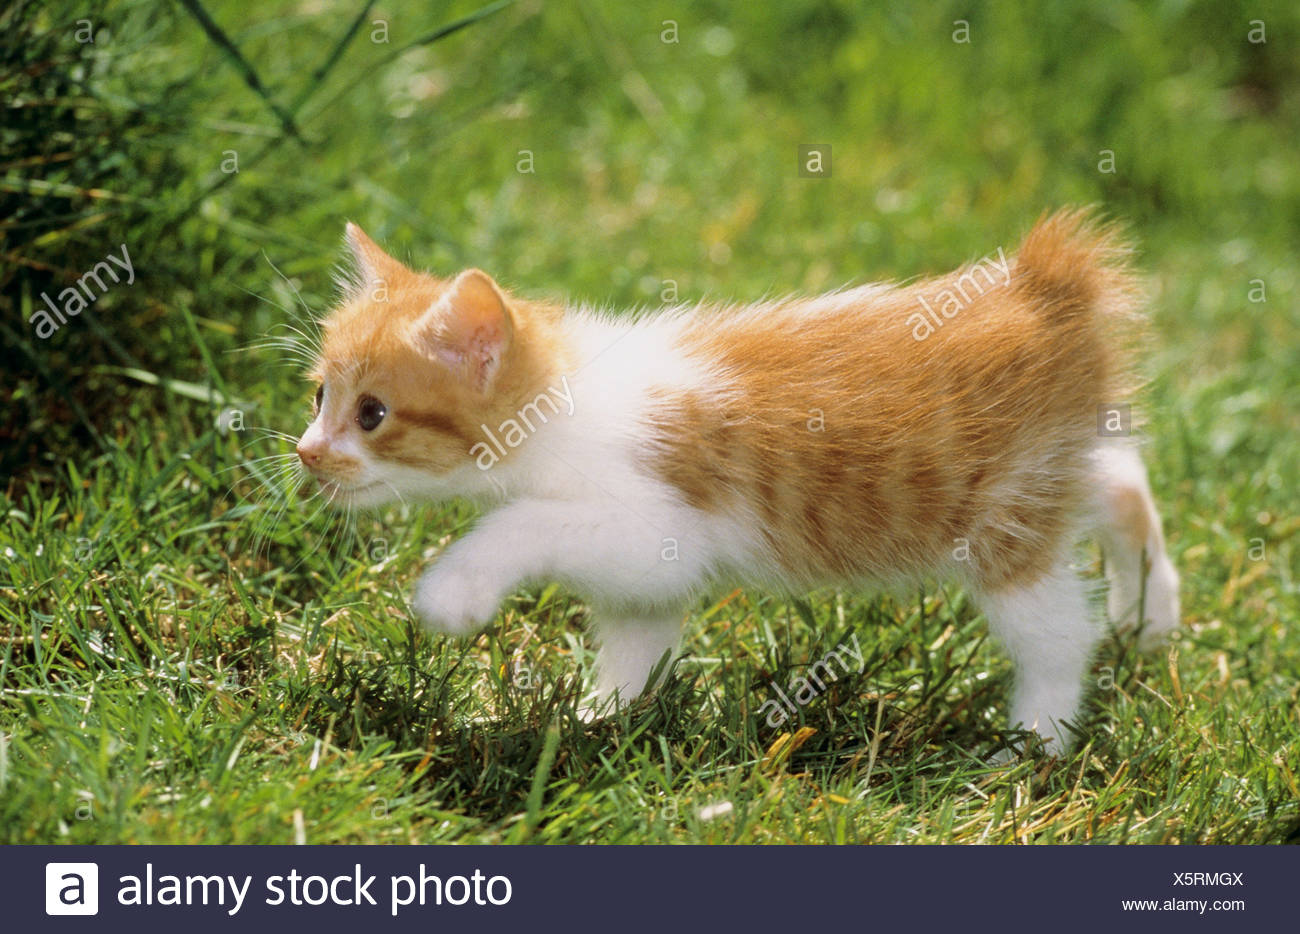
x,y
877,435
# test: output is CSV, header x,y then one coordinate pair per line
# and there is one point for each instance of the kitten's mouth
x,y
335,489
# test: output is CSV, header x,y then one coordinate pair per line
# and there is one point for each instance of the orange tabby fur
x,y
867,453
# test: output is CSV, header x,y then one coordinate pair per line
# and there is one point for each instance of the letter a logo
x,y
72,888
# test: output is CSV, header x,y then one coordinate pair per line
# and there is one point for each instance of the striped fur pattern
x,y
872,437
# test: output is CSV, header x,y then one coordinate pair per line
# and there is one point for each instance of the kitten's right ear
x,y
372,265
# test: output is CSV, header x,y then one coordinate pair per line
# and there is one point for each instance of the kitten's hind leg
x,y
1047,627
631,646
1142,578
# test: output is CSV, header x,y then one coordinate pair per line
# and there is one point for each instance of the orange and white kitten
x,y
875,436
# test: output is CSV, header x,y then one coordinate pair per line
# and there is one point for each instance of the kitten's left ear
x,y
469,328
372,264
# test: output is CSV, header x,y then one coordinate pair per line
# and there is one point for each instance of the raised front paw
x,y
457,598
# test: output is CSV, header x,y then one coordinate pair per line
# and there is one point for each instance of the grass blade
x,y
219,37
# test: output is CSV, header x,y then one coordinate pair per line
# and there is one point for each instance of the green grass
x,y
182,662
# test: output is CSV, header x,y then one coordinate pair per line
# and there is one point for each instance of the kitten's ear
x,y
371,263
468,328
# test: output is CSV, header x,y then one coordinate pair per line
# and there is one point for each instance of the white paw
x,y
458,597
1046,713
1161,610
595,710
1159,602
603,704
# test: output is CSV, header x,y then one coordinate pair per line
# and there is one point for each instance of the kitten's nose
x,y
309,454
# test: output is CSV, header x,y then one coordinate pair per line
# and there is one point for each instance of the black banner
x,y
622,889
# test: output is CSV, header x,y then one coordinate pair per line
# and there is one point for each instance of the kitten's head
x,y
410,366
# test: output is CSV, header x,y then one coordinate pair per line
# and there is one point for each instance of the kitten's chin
x,y
341,496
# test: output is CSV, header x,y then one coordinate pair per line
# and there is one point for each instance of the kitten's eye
x,y
320,394
370,412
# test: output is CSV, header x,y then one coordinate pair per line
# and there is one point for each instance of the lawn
x,y
190,653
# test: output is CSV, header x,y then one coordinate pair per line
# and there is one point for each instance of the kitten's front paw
x,y
455,599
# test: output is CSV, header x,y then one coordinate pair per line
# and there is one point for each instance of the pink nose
x,y
308,454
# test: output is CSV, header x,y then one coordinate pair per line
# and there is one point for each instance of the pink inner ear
x,y
449,355
469,327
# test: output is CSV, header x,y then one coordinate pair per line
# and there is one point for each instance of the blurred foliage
x,y
82,166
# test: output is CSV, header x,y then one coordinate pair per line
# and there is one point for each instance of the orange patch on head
x,y
442,356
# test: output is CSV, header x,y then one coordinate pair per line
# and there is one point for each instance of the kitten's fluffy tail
x,y
1071,265
1076,272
